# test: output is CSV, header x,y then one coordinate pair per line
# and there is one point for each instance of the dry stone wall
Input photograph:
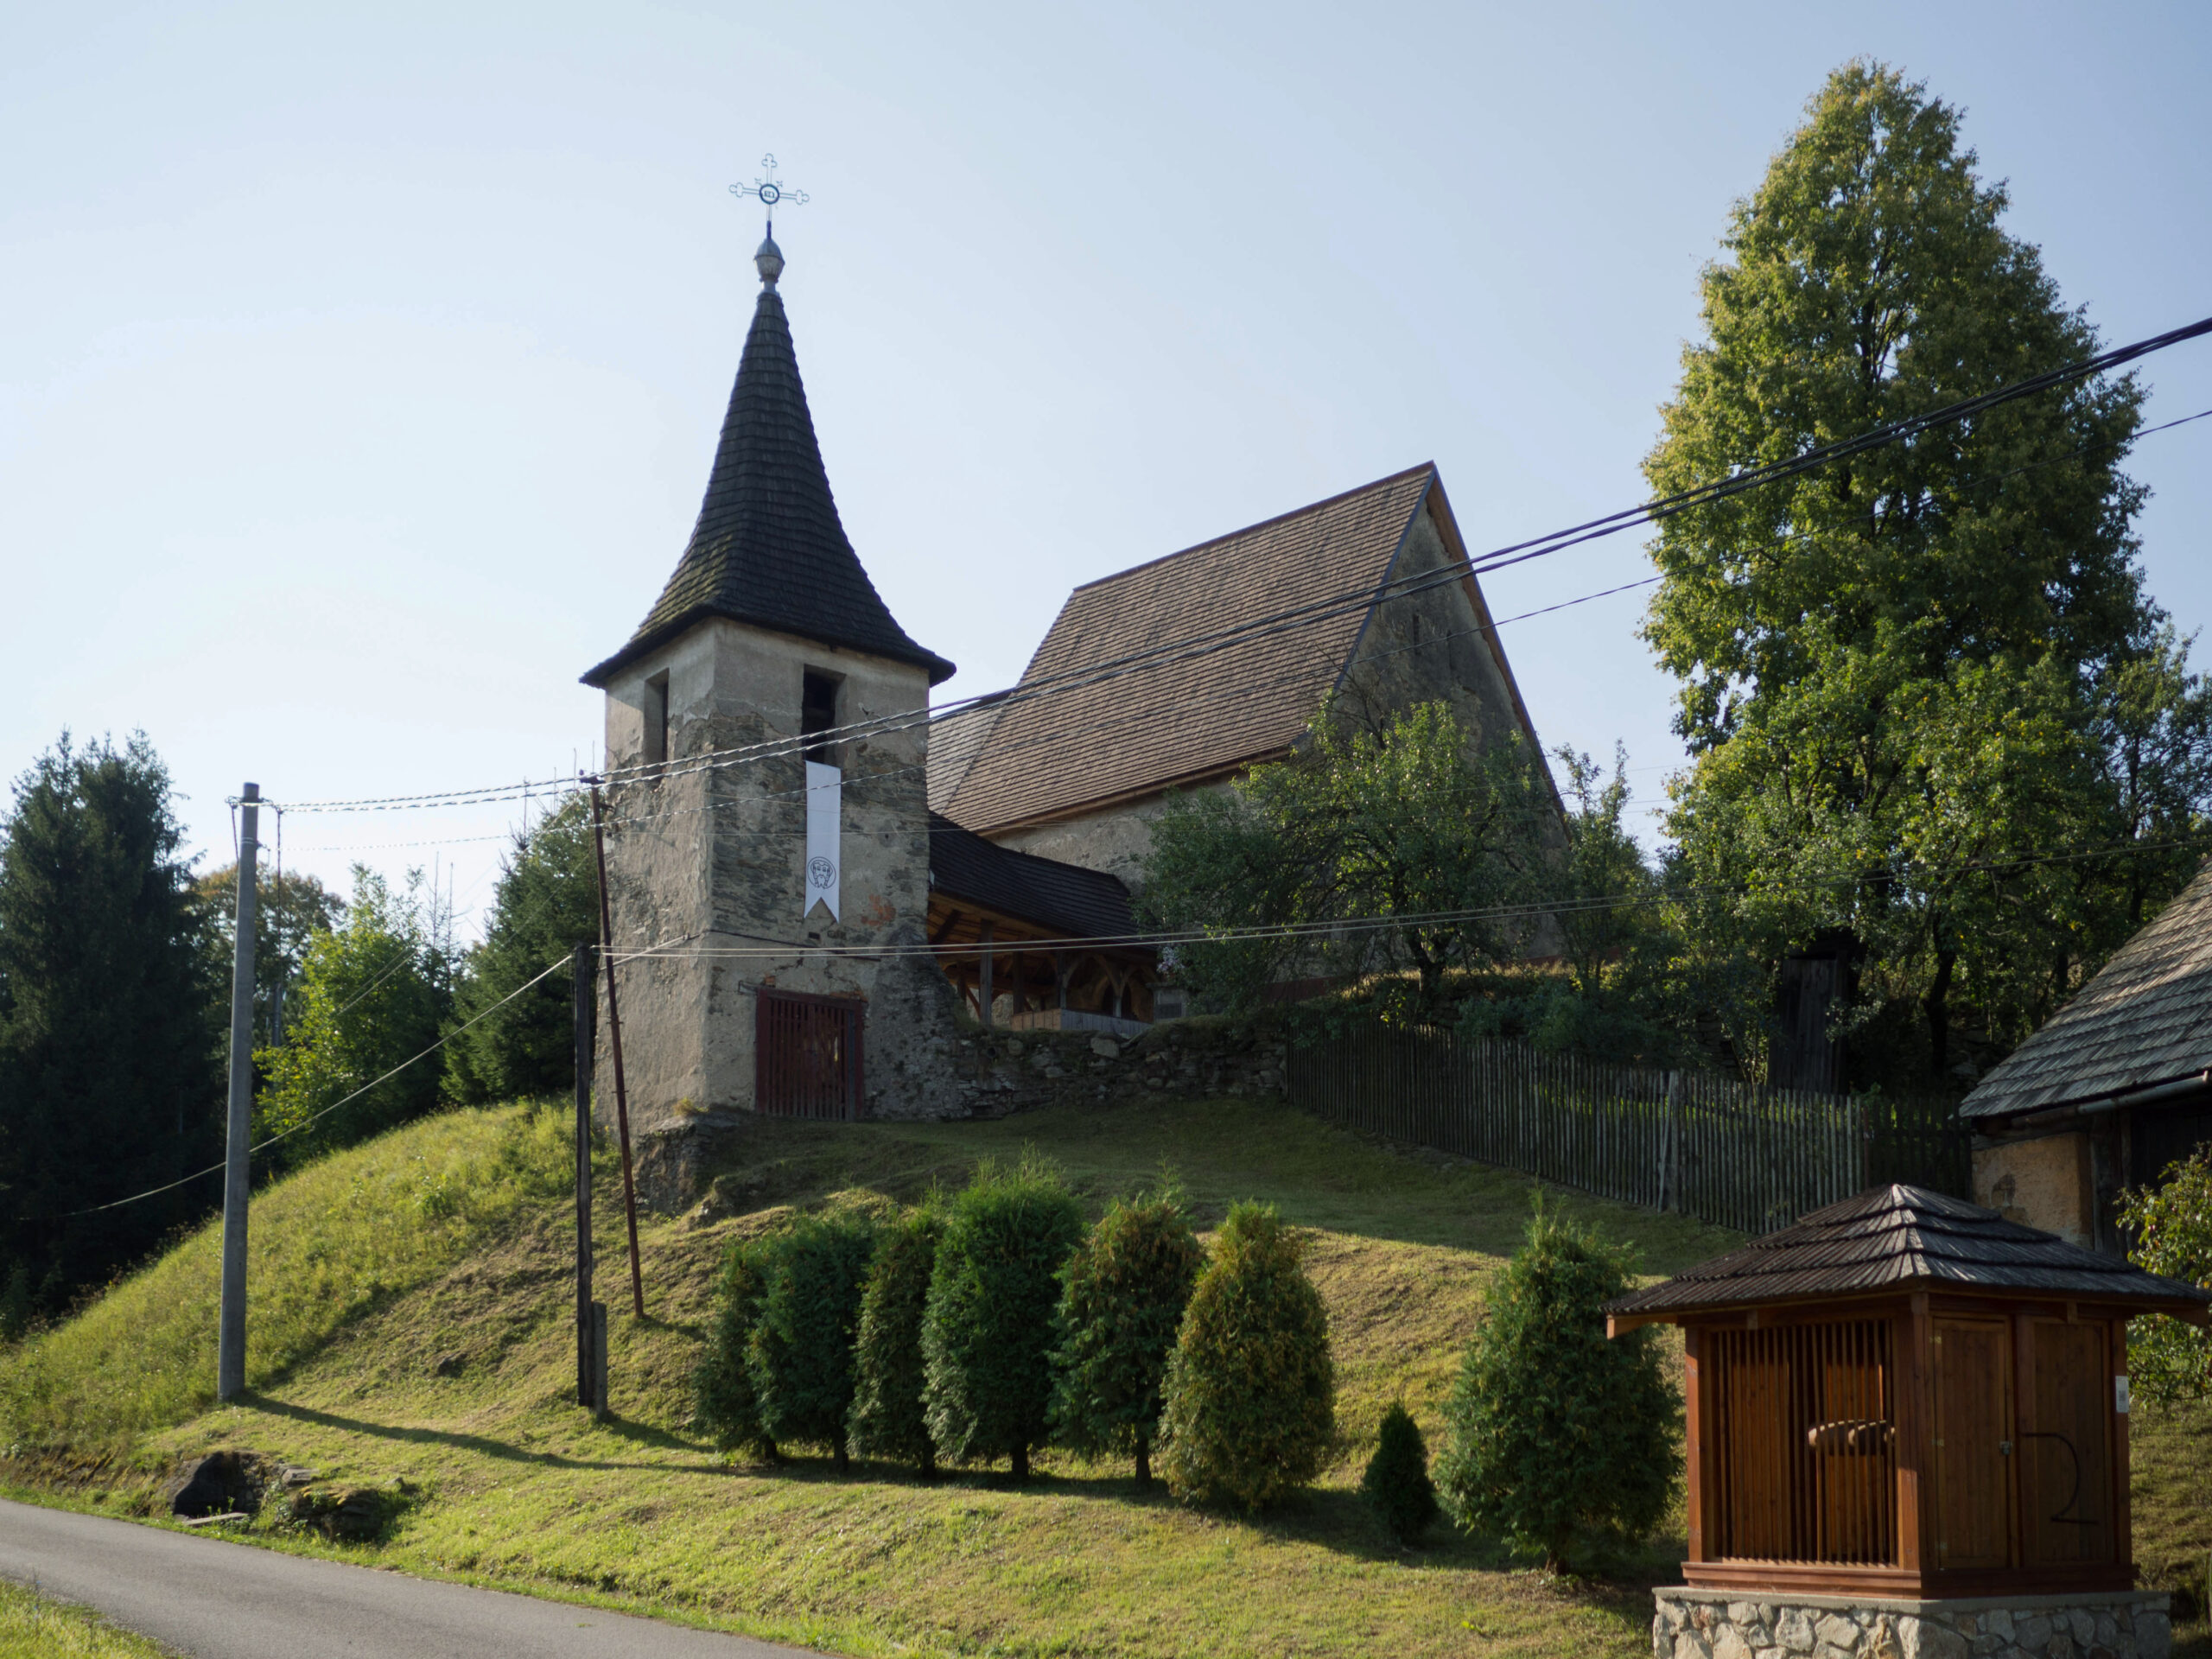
x,y
1718,1624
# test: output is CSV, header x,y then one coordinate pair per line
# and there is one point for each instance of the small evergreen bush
x,y
2172,1225
887,1419
1250,1394
800,1351
722,1386
1555,1431
1122,1304
1396,1485
986,1331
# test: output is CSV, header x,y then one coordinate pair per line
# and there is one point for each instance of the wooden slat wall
x,y
1709,1146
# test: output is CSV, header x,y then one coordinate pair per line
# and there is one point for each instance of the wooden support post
x,y
614,1041
587,1023
983,995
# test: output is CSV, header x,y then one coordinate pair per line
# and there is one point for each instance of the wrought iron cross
x,y
767,192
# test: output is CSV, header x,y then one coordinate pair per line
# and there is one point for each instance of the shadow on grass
x,y
639,1433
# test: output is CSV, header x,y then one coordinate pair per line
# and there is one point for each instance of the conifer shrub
x,y
1250,1394
800,1351
726,1407
1396,1485
1557,1435
1121,1303
986,1331
887,1416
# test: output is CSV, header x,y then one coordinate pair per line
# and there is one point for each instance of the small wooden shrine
x,y
1907,1396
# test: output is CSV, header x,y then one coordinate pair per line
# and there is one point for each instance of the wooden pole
x,y
587,1046
984,997
614,1041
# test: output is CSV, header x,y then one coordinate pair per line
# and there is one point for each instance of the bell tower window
x,y
656,713
817,712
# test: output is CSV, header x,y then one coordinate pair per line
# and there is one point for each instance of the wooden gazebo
x,y
1905,1395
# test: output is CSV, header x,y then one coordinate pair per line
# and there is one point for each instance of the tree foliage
x,y
987,1334
2172,1226
110,1068
727,1406
888,1416
1909,679
1122,1306
1250,1394
290,910
373,998
800,1349
547,904
1556,1433
1412,822
1396,1483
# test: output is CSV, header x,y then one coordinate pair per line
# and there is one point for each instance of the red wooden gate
x,y
807,1055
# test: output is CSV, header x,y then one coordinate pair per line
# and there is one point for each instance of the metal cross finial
x,y
768,192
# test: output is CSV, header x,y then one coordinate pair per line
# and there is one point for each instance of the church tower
x,y
769,894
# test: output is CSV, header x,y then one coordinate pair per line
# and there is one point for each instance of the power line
x,y
1317,611
212,1169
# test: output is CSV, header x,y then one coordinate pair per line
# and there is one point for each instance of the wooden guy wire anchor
x,y
615,1038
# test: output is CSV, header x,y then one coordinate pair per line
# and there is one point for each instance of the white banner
x,y
824,792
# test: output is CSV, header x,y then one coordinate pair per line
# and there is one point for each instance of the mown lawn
x,y
451,1369
33,1626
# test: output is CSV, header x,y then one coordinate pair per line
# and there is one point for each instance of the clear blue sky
x,y
362,366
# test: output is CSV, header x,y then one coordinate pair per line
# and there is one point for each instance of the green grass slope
x,y
436,1360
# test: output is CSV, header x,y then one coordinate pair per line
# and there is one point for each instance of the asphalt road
x,y
218,1600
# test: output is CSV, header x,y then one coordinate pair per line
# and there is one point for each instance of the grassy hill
x,y
412,1329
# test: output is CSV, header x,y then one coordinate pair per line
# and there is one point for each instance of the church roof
x,y
2145,1020
1185,716
1066,900
1900,1237
769,548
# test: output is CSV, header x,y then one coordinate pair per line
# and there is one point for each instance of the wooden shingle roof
x,y
769,548
2146,1019
1899,1238
1184,718
1065,900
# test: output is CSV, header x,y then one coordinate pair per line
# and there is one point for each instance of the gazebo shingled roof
x,y
1896,1237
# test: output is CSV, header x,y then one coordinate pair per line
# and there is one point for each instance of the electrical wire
x,y
261,1146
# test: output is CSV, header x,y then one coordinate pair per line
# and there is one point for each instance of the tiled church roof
x,y
1189,716
769,548
2145,1020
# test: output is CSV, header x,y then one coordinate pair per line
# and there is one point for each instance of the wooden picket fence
x,y
1696,1142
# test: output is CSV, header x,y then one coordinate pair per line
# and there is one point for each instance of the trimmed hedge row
x,y
981,1328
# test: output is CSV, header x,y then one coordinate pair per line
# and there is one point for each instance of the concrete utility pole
x,y
230,1357
587,1048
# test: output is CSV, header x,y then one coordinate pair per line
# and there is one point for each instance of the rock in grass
x,y
1396,1485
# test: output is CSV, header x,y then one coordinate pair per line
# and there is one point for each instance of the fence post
x,y
1666,1110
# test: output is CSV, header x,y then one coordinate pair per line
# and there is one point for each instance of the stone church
x,y
817,890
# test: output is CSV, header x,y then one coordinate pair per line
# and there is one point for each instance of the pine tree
x,y
800,1350
111,1046
1396,1485
986,1333
1251,1390
1556,1432
1122,1303
888,1420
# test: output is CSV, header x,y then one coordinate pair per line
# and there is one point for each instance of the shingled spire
x,y
769,548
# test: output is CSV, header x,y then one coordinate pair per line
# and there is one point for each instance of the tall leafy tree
x,y
546,904
1909,679
290,910
1412,823
110,1075
372,997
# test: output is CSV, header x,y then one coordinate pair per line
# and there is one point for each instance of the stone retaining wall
x,y
1728,1625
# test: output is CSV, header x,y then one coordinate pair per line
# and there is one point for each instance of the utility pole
x,y
614,1042
587,1019
230,1356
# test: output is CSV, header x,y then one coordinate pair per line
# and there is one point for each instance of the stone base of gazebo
x,y
1731,1624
